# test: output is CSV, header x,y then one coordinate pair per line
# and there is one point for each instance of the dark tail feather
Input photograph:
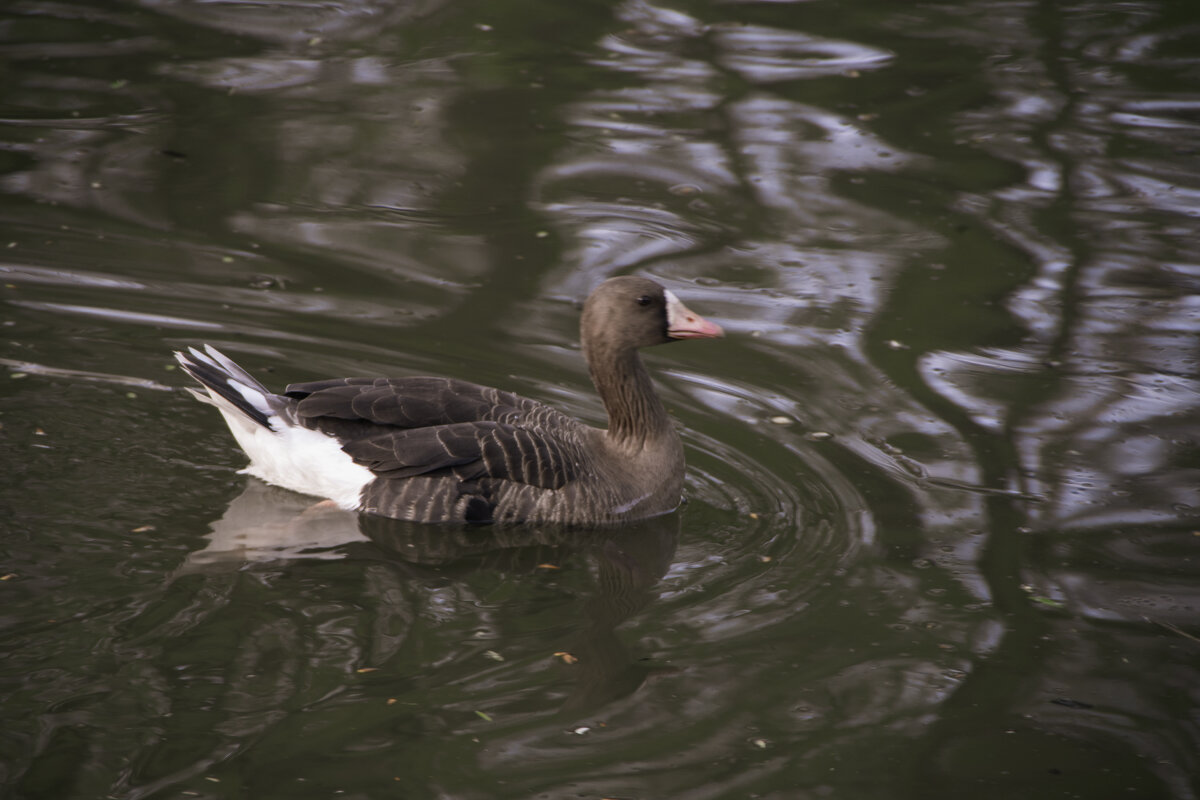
x,y
229,382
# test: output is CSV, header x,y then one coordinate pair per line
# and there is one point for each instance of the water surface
x,y
941,536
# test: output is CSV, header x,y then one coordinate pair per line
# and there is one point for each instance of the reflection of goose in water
x,y
625,563
267,525
444,450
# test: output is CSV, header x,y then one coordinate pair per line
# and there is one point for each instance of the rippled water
x,y
941,536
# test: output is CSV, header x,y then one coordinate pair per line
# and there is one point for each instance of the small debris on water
x,y
492,655
364,670
781,420
895,345
267,282
143,529
1046,601
483,715
566,657
581,730
761,744
1173,629
818,436
1069,703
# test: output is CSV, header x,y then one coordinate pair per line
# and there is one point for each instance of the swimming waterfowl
x,y
431,449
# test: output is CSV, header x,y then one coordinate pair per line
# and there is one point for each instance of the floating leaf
x,y
483,715
566,657
363,670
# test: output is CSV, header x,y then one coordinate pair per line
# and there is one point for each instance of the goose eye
x,y
644,300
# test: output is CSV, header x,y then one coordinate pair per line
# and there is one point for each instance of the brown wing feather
x,y
439,427
469,451
416,402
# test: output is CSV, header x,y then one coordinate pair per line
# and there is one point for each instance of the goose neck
x,y
635,414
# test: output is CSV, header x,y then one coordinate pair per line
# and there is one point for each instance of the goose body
x,y
431,449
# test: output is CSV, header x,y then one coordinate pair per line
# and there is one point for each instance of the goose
x,y
432,449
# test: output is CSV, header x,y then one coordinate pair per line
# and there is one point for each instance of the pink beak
x,y
683,323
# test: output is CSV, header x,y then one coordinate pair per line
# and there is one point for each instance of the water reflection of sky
x,y
946,459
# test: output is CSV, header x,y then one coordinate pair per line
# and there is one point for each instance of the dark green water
x,y
942,537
